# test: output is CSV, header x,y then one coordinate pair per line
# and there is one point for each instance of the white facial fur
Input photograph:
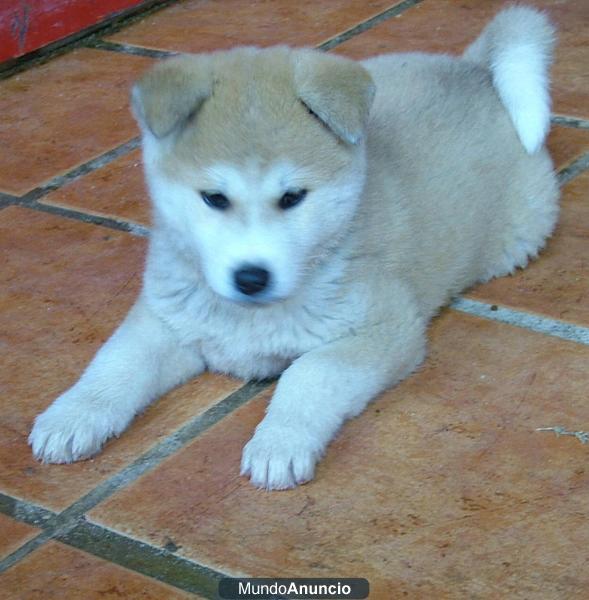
x,y
254,230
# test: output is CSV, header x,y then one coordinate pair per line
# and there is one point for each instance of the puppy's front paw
x,y
278,458
71,429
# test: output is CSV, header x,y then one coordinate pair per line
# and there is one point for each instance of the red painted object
x,y
27,25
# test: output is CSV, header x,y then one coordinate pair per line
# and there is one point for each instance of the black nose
x,y
251,280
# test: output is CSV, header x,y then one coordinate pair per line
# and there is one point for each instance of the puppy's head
x,y
255,161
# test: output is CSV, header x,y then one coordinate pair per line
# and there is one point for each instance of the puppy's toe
x,y
279,458
65,433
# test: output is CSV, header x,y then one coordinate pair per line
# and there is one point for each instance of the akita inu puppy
x,y
311,215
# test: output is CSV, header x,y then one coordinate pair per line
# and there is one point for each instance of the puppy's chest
x,y
252,342
262,345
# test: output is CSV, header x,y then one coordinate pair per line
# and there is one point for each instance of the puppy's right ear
x,y
339,91
171,93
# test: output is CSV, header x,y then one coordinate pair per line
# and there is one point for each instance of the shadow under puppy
x,y
311,215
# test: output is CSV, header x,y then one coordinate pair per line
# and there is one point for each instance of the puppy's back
x,y
446,162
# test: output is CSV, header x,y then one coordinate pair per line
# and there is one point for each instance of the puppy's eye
x,y
292,198
216,200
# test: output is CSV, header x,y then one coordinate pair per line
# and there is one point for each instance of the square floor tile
x,y
14,534
58,572
449,26
64,113
454,448
557,283
204,25
65,286
531,553
115,190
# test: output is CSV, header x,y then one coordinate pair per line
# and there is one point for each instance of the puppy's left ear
x,y
338,90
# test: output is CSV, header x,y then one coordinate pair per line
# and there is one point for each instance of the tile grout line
x,y
141,557
80,216
525,320
158,563
389,13
26,512
58,525
570,171
32,514
122,48
86,168
57,182
568,121
26,549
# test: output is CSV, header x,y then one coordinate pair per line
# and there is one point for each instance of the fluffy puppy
x,y
311,215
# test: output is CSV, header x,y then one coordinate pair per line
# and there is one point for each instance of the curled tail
x,y
517,47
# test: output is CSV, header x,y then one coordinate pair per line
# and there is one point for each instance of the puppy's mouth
x,y
268,297
259,300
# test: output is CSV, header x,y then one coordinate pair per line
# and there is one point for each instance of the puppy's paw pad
x,y
279,458
66,433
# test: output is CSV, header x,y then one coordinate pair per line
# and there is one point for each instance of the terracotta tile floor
x,y
56,572
443,488
63,113
14,534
